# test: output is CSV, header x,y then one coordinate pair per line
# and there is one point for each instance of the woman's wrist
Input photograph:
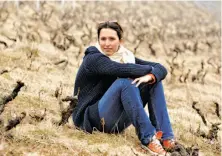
x,y
153,79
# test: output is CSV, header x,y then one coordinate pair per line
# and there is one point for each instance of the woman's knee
x,y
124,81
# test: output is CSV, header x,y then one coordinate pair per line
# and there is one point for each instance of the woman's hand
x,y
144,79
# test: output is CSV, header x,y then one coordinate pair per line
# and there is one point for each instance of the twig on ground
x,y
5,44
213,131
217,111
13,123
134,152
187,75
67,112
4,71
12,96
38,117
61,61
199,112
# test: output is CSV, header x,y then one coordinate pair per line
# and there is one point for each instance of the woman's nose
x,y
107,42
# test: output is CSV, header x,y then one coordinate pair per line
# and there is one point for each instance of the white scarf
x,y
123,55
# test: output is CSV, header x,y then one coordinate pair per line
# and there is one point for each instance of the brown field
x,y
43,47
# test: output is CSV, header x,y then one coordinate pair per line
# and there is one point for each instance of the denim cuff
x,y
147,140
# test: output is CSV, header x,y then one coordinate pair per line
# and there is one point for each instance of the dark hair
x,y
112,25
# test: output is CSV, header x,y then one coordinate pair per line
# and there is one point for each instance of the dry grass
x,y
41,40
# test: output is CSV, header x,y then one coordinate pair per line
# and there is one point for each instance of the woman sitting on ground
x,y
113,87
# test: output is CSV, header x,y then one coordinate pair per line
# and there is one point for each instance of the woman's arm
x,y
97,63
159,71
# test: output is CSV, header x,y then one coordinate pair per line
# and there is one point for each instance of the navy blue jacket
x,y
95,75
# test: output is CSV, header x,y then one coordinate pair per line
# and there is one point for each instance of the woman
x,y
113,87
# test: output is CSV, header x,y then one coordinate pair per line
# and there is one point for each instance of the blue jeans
x,y
123,104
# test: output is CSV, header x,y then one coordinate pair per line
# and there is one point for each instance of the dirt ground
x,y
42,45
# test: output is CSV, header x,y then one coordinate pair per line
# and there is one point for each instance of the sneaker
x,y
169,144
155,148
159,135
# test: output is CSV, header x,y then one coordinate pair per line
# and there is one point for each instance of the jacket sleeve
x,y
97,63
159,71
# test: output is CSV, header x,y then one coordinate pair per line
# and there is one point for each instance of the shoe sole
x,y
153,153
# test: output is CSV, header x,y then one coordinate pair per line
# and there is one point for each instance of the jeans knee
x,y
125,81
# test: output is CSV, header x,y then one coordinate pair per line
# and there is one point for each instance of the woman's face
x,y
109,41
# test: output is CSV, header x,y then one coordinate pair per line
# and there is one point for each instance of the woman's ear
x,y
121,41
